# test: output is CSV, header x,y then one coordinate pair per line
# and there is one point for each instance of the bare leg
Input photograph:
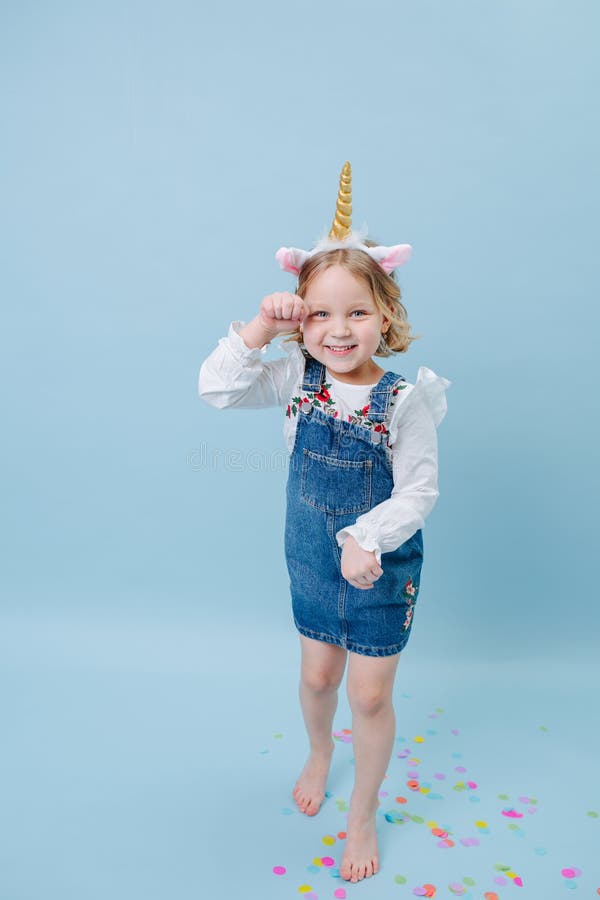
x,y
370,685
323,667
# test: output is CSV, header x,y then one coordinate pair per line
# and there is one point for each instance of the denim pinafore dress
x,y
337,471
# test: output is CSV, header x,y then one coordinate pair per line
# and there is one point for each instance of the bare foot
x,y
360,859
309,791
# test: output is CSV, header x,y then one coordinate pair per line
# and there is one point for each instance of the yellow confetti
x,y
317,861
329,839
419,739
304,889
481,824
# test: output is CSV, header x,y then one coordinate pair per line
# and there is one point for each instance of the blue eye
x,y
318,313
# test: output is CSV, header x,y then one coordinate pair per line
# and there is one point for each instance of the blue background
x,y
153,158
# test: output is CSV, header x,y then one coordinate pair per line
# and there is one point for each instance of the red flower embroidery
x,y
324,395
365,409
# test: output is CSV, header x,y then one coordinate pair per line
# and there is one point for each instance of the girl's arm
x,y
235,374
415,464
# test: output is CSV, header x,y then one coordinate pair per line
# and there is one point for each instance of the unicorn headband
x,y
341,236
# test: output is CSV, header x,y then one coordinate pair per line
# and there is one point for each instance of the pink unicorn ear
x,y
291,259
390,258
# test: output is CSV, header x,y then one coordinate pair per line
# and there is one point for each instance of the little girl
x,y
362,479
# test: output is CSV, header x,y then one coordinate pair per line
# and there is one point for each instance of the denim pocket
x,y
336,485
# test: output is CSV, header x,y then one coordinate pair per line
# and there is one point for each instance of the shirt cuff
x,y
236,343
365,539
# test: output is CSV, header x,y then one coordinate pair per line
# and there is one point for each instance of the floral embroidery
x,y
321,398
410,595
360,415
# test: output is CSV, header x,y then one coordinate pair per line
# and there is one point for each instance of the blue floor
x,y
146,761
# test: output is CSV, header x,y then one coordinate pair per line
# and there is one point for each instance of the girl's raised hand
x,y
359,567
281,311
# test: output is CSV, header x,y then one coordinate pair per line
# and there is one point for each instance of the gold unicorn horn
x,y
342,222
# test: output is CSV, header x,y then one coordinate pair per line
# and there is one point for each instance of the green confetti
x,y
470,882
503,797
399,879
277,735
593,813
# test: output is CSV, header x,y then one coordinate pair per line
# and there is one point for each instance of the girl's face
x,y
340,311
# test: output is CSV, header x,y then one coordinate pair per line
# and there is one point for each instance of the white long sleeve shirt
x,y
235,375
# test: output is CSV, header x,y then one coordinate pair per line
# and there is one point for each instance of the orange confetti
x,y
400,799
491,895
341,835
413,785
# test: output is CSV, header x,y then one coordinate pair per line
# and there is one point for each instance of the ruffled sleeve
x,y
413,436
430,390
235,375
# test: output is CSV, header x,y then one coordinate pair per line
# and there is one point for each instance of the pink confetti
x,y
572,872
455,731
512,814
518,881
340,893
460,769
327,860
500,879
440,776
472,784
279,870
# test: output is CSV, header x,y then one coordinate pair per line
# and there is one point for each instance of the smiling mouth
x,y
341,350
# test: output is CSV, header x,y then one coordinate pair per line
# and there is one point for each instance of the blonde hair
x,y
383,288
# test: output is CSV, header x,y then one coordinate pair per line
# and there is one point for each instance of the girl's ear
x,y
291,259
389,258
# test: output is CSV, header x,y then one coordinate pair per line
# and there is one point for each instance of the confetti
x,y
340,893
279,870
